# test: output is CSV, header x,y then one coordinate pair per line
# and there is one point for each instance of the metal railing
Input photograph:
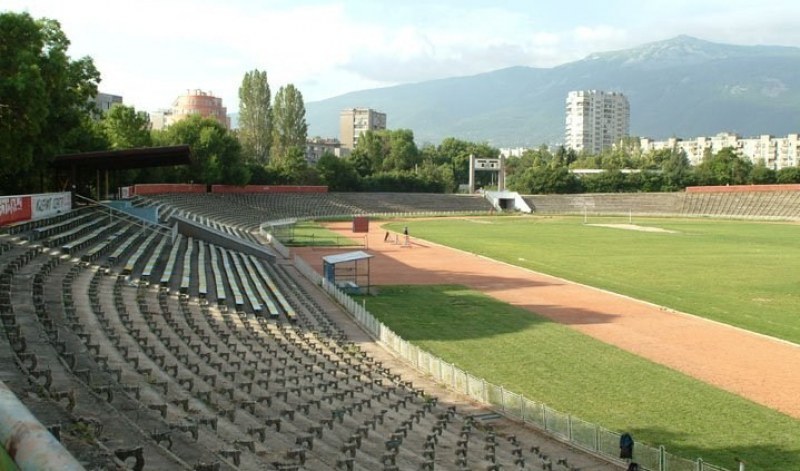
x,y
120,214
559,425
34,447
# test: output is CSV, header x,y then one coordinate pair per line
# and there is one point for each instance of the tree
x,y
788,175
255,117
126,128
762,175
44,97
216,154
676,169
544,180
457,152
403,153
439,175
292,167
371,149
289,121
725,167
338,174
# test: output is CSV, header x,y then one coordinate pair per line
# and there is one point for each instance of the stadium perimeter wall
x,y
741,188
268,189
158,188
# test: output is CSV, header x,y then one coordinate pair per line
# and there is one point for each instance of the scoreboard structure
x,y
490,165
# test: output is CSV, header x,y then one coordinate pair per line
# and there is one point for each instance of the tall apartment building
x,y
354,121
596,120
193,102
775,152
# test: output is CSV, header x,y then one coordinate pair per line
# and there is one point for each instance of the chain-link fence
x,y
560,425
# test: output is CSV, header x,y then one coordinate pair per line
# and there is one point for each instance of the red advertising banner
x,y
157,188
268,189
14,209
741,188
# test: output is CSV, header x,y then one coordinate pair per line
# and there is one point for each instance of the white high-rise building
x,y
596,120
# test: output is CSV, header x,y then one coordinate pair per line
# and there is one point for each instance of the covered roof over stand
x,y
126,158
74,165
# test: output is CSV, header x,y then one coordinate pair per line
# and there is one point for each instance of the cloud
x,y
599,34
150,51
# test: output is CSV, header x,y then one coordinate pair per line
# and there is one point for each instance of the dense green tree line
x,y
45,101
626,169
47,108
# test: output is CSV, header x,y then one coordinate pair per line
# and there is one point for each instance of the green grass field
x,y
312,234
740,273
572,372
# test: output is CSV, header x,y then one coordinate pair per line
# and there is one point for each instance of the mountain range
x,y
684,87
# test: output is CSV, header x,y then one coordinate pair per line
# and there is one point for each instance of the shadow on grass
x,y
756,457
455,312
386,270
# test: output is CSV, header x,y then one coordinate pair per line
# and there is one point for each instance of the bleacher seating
x,y
741,205
150,375
242,213
607,203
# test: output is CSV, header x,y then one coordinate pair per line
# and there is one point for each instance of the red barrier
x,y
360,223
741,188
268,189
14,209
157,188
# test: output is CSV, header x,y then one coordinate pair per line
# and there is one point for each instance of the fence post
x,y
662,458
569,427
502,399
485,392
544,416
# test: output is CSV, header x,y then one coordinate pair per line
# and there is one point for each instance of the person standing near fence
x,y
626,446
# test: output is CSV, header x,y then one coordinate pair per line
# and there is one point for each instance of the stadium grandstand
x,y
137,346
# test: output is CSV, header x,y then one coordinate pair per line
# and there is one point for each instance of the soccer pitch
x,y
740,273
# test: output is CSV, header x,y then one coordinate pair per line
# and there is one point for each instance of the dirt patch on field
x,y
762,369
634,227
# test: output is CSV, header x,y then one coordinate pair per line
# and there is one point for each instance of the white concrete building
x,y
316,147
512,151
105,101
354,121
596,120
775,152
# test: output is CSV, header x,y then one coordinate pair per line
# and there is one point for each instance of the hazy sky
x,y
151,51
